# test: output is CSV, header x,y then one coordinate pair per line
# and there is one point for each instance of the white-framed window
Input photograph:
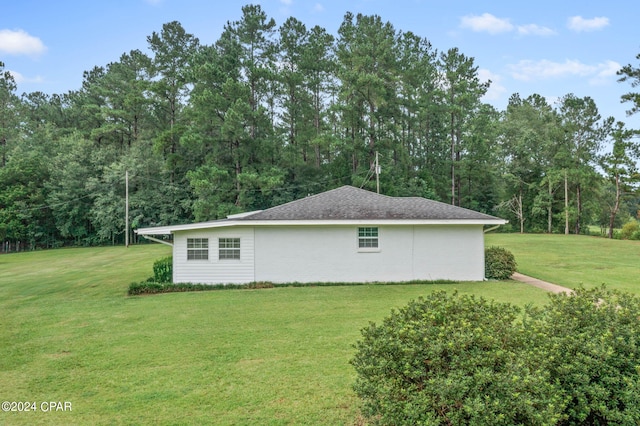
x,y
228,248
368,237
197,248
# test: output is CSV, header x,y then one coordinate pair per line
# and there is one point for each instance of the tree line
x,y
268,114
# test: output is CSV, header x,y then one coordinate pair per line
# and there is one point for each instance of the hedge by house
x,y
163,270
457,359
499,263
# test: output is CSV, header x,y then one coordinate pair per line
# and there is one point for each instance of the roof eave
x,y
166,230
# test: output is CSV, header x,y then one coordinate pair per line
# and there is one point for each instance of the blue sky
x,y
547,47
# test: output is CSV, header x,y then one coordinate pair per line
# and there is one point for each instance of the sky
x,y
551,48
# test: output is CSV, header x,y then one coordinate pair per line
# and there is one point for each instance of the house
x,y
342,235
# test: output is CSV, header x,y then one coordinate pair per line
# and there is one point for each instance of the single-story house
x,y
342,235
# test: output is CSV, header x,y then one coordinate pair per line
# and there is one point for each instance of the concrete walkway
x,y
540,284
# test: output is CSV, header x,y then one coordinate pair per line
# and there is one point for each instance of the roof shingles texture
x,y
350,203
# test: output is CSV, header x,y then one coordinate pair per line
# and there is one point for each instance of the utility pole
x,y
126,208
566,204
377,174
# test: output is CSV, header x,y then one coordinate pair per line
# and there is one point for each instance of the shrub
x,y
629,229
152,287
461,360
591,349
451,360
163,270
499,263
145,287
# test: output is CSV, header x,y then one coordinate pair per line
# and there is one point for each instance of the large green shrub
x,y
460,360
499,263
163,270
591,347
630,230
451,360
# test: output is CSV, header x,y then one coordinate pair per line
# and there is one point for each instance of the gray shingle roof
x,y
350,203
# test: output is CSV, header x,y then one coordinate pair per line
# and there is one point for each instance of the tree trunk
x,y
521,212
616,207
579,215
566,205
550,210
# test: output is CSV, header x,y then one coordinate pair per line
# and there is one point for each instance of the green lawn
x,y
69,333
574,260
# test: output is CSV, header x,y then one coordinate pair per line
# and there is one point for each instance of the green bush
x,y
451,360
152,287
163,270
460,360
499,263
629,229
591,348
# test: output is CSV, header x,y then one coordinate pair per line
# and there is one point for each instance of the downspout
x,y
491,229
157,240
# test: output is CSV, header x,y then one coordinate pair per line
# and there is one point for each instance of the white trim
x,y
165,230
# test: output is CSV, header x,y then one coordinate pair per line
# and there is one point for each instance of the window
x,y
368,237
197,248
228,248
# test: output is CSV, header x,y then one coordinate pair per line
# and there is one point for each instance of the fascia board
x,y
165,230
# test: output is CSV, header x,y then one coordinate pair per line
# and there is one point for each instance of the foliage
x,y
452,360
499,263
461,360
630,230
155,287
152,286
270,113
163,270
591,346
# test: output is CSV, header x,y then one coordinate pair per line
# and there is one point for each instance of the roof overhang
x,y
224,223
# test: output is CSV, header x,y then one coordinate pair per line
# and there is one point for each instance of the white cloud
x,y
318,8
528,70
19,42
578,23
496,90
606,73
286,2
486,23
533,29
19,78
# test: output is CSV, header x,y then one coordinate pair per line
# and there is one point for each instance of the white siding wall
x,y
330,254
213,270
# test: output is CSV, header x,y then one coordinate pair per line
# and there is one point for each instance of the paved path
x,y
540,284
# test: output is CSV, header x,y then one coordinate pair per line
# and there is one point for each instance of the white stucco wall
x,y
214,270
331,254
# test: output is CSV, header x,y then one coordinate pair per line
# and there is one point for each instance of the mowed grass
x,y
574,260
69,333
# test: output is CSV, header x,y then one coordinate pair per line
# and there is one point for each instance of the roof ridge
x,y
310,197
350,203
